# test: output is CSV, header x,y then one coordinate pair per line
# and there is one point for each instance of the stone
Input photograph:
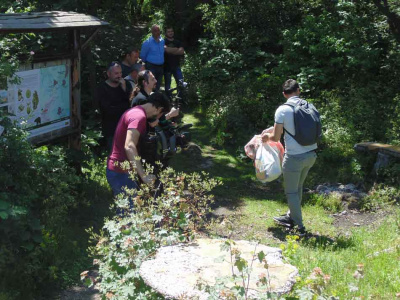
x,y
193,150
382,161
349,188
344,192
223,211
176,271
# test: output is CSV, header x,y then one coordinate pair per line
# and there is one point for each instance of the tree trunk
x,y
392,18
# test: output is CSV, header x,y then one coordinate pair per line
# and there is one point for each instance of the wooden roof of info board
x,y
47,21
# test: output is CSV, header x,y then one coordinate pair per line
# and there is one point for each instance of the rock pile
x,y
348,192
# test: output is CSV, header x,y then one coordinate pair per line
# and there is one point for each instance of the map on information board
x,y
41,101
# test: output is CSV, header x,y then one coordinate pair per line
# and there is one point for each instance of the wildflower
x,y
353,288
128,242
359,273
360,267
327,277
226,294
32,53
317,271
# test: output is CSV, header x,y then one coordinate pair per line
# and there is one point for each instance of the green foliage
x,y
232,69
341,52
41,199
290,249
131,237
390,174
13,53
380,196
331,202
356,264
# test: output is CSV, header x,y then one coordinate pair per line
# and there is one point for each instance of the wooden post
x,y
75,139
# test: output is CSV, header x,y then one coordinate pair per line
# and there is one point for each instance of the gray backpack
x,y
307,123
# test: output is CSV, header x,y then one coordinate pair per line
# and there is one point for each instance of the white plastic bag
x,y
268,162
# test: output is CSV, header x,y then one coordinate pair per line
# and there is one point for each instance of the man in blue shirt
x,y
152,53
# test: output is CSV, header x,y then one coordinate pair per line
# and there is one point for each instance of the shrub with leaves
x,y
379,196
38,191
134,235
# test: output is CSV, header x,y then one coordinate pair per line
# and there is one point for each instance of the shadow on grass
x,y
236,174
313,240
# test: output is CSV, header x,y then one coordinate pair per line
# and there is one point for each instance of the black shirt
x,y
172,61
113,102
126,70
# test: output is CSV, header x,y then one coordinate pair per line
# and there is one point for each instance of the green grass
x,y
254,204
341,257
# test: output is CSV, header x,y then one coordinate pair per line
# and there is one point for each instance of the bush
x,y
41,199
131,237
332,203
379,196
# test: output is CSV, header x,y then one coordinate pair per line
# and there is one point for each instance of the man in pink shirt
x,y
131,127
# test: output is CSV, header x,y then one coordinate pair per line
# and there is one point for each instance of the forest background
x,y
345,55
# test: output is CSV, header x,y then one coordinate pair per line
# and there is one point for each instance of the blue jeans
x,y
295,170
177,73
119,182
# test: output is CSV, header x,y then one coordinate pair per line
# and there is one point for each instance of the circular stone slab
x,y
175,271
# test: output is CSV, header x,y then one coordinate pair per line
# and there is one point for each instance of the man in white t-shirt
x,y
298,159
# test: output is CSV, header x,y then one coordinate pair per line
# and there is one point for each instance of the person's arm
x,y
144,51
174,51
122,82
274,135
131,142
174,112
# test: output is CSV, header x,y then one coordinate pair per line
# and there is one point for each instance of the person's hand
x,y
154,123
149,179
265,137
268,130
122,82
173,113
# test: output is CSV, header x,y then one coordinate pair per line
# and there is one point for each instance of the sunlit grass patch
x,y
374,253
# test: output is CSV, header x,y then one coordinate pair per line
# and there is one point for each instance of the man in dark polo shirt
x,y
172,58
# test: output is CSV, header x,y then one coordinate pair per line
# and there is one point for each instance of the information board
x,y
41,100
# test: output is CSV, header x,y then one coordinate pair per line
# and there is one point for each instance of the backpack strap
x,y
292,106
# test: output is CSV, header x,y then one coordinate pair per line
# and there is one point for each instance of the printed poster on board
x,y
41,101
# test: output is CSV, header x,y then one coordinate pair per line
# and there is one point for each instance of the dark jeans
x,y
158,72
177,73
119,182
